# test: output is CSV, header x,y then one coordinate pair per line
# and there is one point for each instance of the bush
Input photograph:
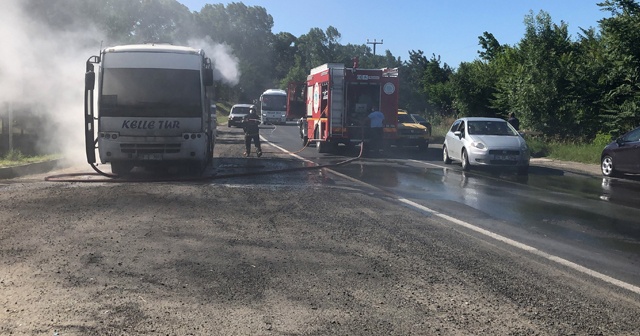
x,y
14,155
537,147
601,140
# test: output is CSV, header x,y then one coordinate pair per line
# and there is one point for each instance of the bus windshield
x,y
274,103
128,92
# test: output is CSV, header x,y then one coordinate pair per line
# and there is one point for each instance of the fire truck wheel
x,y
322,146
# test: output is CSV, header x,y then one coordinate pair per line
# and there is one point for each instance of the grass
x,y
16,158
566,150
223,109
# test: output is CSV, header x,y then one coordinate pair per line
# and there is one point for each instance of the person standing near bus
x,y
251,127
376,130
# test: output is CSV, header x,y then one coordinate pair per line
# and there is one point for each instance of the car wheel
x,y
608,167
465,161
445,155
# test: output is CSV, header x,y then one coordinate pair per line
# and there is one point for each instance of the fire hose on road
x,y
111,178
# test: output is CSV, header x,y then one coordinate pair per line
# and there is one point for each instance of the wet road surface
x,y
589,220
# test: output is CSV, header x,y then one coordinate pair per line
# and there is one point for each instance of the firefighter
x,y
251,127
376,130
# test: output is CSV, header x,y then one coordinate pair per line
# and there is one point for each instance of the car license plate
x,y
506,157
150,157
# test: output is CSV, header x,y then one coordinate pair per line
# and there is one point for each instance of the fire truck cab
x,y
339,100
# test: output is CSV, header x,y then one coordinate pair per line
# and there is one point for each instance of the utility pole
x,y
374,45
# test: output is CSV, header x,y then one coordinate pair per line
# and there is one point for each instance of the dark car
x,y
622,155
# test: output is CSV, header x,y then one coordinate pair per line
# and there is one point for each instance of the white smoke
x,y
225,64
43,71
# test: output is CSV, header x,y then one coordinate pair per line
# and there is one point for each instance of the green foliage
x,y
474,85
537,147
601,140
535,84
621,38
15,158
565,89
576,152
14,155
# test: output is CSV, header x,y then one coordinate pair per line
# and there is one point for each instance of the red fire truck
x,y
296,100
339,100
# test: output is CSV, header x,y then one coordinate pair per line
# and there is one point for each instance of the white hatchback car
x,y
238,112
479,141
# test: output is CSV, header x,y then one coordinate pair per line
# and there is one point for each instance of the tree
x,y
490,45
247,30
474,85
412,97
533,82
621,37
284,50
437,86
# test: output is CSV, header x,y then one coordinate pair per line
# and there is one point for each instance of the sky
x,y
446,28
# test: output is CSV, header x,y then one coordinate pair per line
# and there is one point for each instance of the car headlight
x,y
478,145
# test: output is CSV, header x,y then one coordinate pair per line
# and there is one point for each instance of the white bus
x,y
273,107
153,107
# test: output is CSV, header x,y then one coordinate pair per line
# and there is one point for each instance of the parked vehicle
x,y
411,133
479,141
340,98
296,100
273,106
153,107
622,155
422,121
237,113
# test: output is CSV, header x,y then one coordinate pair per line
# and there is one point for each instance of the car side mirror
x,y
458,134
619,142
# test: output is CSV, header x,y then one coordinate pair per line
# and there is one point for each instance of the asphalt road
x,y
562,208
307,251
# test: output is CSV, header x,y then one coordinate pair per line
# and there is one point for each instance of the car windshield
x,y
485,127
418,118
240,110
405,118
274,102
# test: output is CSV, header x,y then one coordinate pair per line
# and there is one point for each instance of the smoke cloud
x,y
43,71
225,64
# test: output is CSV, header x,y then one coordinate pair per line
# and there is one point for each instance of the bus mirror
x,y
208,77
89,80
